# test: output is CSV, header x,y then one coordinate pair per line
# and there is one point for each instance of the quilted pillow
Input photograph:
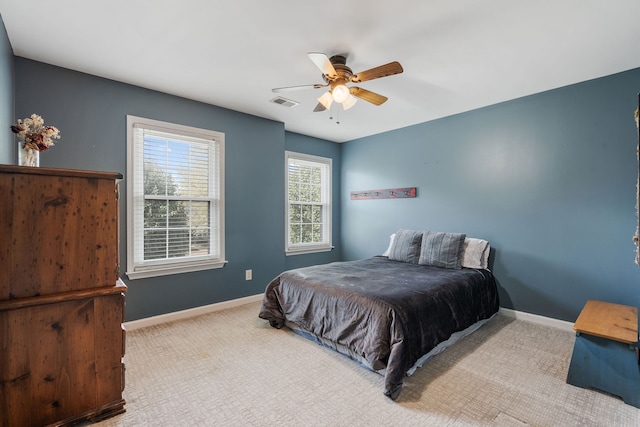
x,y
442,249
406,246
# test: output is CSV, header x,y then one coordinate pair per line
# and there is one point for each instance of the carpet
x,y
230,368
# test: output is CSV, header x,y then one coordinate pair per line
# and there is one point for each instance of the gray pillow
x,y
406,246
442,249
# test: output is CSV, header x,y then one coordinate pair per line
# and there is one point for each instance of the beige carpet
x,y
230,368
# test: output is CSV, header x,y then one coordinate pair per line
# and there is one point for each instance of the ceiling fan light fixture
x,y
326,100
350,102
336,75
340,93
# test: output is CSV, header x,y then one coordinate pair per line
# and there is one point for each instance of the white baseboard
x,y
547,321
184,314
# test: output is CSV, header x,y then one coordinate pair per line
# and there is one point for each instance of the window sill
x,y
308,251
167,270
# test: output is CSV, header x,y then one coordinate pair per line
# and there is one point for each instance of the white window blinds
x,y
308,203
176,198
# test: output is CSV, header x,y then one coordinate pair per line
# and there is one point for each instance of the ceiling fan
x,y
336,74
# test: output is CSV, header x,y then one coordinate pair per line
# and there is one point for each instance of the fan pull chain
x,y
337,114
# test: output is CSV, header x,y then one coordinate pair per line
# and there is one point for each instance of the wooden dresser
x,y
61,299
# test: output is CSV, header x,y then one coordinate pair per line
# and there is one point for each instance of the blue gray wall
x,y
91,115
7,148
549,180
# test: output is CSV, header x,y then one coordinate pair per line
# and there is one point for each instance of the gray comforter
x,y
389,313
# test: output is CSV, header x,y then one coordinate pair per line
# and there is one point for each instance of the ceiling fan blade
x,y
367,95
319,107
323,63
293,88
375,73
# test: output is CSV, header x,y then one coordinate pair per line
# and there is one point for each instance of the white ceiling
x,y
457,55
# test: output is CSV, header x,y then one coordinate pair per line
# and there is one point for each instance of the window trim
x,y
167,267
307,248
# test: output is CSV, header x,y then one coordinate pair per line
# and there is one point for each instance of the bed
x,y
393,311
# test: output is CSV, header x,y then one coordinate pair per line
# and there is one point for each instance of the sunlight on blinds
x,y
309,194
179,190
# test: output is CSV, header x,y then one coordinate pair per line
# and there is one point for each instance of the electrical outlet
x,y
248,275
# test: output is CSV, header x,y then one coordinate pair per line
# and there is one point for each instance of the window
x,y
175,198
308,189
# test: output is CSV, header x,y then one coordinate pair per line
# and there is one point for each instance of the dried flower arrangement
x,y
34,134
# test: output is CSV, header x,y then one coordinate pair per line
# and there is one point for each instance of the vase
x,y
28,156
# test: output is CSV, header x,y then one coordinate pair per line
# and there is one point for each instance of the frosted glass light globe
x,y
340,93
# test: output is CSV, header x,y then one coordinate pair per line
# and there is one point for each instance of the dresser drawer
x,y
65,358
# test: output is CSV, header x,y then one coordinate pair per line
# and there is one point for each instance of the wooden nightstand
x,y
605,351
